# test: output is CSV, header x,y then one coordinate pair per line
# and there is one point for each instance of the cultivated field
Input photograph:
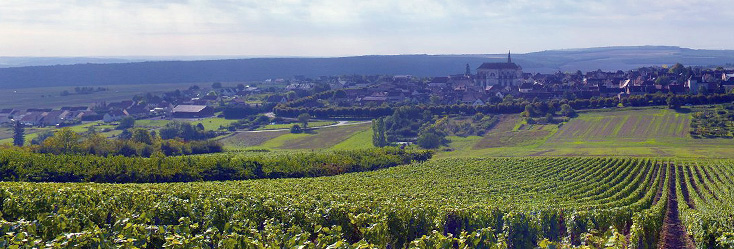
x,y
642,132
475,203
624,126
357,136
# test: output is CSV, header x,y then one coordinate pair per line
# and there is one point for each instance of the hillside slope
x,y
255,69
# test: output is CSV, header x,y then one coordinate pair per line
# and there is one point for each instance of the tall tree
x,y
303,119
18,134
378,132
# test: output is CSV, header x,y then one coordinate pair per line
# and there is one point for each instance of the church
x,y
502,74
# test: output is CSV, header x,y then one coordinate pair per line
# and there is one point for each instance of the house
x,y
526,87
32,118
138,110
114,115
192,111
74,108
89,116
120,105
55,117
472,99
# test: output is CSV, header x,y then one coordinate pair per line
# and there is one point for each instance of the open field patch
x,y
249,139
510,132
322,138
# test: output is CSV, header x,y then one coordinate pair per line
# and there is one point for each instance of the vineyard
x,y
20,165
474,203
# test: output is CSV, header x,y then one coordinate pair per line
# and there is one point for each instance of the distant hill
x,y
102,72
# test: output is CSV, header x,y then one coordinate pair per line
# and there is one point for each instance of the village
x,y
489,83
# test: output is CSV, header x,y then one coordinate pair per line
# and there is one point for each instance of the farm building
x,y
192,111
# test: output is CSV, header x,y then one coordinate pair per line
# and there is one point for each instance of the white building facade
x,y
499,74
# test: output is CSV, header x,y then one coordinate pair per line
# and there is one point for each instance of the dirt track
x,y
673,234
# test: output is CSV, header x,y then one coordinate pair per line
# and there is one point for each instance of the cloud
x,y
345,27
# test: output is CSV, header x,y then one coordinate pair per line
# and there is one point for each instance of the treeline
x,y
22,165
132,143
508,106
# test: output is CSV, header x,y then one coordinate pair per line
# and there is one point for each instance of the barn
x,y
192,111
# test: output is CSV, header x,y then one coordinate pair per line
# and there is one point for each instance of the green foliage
x,y
713,122
431,137
142,136
429,140
296,129
672,102
64,141
251,122
18,134
17,165
42,136
126,123
138,142
476,125
567,110
303,119
378,133
185,131
456,203
404,124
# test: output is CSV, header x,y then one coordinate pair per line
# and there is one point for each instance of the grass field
x,y
318,139
645,132
338,137
359,140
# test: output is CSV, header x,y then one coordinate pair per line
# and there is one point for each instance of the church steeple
x,y
509,59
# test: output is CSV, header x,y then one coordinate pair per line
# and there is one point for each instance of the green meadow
x,y
641,133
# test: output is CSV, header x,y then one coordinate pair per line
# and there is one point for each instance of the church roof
x,y
498,65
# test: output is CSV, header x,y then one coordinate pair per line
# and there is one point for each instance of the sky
x,y
327,28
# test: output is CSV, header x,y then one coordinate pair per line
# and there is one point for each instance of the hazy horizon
x,y
331,28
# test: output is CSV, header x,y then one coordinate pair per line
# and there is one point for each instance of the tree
x,y
549,118
430,137
672,102
429,140
567,111
303,119
42,136
142,136
18,134
529,111
240,87
662,80
296,129
378,132
125,135
216,85
677,69
64,141
126,123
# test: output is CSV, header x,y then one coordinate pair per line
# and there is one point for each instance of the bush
x,y
126,123
296,129
429,141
